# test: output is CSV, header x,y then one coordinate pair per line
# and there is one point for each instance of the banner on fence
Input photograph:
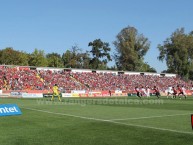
x,y
66,95
32,95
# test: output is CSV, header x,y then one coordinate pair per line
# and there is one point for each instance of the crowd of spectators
x,y
110,81
18,78
14,79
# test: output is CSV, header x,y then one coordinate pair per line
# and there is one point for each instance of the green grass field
x,y
104,121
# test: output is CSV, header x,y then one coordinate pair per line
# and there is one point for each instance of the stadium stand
x,y
29,78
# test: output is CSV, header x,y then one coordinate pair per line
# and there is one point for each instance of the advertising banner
x,y
118,91
119,94
46,95
83,95
66,95
79,91
105,93
16,94
9,110
75,95
32,95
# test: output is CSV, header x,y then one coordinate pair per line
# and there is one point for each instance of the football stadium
x,y
88,112
96,72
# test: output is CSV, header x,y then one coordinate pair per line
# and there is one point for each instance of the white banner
x,y
79,91
5,95
66,95
32,95
0,91
16,94
118,91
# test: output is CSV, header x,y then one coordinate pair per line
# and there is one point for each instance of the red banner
x,y
192,120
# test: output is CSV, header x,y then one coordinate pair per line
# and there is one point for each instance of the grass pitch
x,y
99,121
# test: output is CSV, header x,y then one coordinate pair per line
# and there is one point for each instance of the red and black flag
x,y
192,120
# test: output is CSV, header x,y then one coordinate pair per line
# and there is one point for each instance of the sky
x,y
57,25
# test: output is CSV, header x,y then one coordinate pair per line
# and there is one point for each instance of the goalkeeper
x,y
55,92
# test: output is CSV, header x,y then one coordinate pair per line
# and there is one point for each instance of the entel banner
x,y
9,109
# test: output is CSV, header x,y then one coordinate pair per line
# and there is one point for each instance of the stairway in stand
x,y
78,82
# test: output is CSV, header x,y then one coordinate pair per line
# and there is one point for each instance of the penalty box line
x,y
110,121
149,117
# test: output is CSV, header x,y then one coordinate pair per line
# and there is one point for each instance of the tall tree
x,y
85,60
71,58
100,52
66,57
75,58
38,58
9,56
54,60
147,68
177,51
130,49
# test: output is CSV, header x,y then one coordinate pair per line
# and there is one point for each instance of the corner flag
x,y
192,120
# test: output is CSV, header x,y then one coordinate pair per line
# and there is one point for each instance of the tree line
x,y
130,49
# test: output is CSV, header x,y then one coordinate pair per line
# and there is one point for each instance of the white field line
x,y
110,121
149,117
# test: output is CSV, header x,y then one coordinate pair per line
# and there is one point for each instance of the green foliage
x,y
147,68
66,57
131,48
54,60
84,59
112,68
37,58
177,50
100,52
9,56
75,58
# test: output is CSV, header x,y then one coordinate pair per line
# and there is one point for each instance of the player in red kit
x,y
174,92
181,92
156,91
